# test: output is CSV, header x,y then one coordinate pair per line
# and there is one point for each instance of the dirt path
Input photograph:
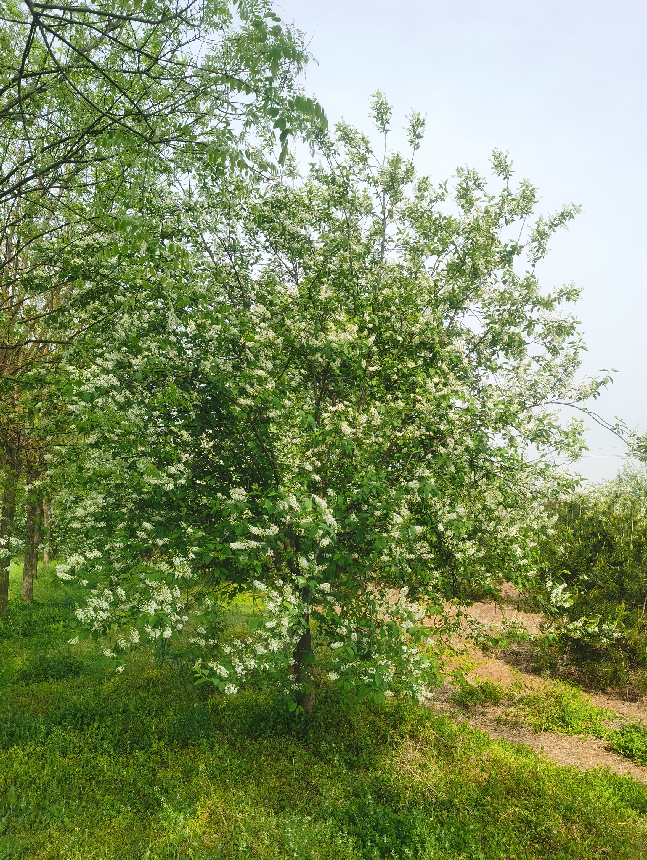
x,y
583,752
497,670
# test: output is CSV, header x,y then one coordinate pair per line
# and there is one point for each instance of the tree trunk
x,y
302,654
30,565
303,661
38,512
47,525
12,475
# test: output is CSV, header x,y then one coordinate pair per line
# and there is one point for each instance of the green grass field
x,y
146,765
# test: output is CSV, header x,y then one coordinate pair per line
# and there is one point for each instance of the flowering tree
x,y
350,408
103,107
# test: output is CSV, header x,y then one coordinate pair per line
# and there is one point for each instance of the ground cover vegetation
x,y
144,763
277,422
560,708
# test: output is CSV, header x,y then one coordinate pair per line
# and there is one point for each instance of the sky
x,y
560,85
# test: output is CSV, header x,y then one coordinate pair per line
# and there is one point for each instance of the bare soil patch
x,y
583,752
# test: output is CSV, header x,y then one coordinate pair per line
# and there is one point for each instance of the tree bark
x,y
30,565
47,525
38,511
7,518
303,654
303,662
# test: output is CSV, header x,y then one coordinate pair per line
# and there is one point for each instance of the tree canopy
x,y
342,393
104,110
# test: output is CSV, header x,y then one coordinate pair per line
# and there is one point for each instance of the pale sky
x,y
561,85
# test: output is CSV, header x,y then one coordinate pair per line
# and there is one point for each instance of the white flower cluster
x,y
153,597
559,594
373,644
591,629
264,647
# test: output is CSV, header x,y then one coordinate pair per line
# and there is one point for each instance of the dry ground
x,y
583,752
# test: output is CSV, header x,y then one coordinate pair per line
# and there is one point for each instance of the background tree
x,y
595,586
105,106
83,84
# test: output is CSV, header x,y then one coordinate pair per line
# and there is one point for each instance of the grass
x,y
484,693
561,708
146,765
631,741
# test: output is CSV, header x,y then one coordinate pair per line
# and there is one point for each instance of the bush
x,y
596,580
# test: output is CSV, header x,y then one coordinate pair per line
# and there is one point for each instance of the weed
x,y
484,693
560,708
631,741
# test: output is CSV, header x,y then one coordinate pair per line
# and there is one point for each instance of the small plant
x,y
631,741
562,709
484,693
55,667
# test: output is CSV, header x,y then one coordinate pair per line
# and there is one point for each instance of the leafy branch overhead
x,y
81,85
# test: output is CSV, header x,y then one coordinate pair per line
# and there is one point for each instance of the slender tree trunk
x,y
37,532
303,661
30,565
303,654
12,476
47,525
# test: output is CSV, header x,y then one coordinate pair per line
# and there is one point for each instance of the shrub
x,y
596,579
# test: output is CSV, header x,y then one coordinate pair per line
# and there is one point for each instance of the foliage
x,y
483,693
144,763
104,109
103,106
337,396
631,741
560,708
596,577
85,85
